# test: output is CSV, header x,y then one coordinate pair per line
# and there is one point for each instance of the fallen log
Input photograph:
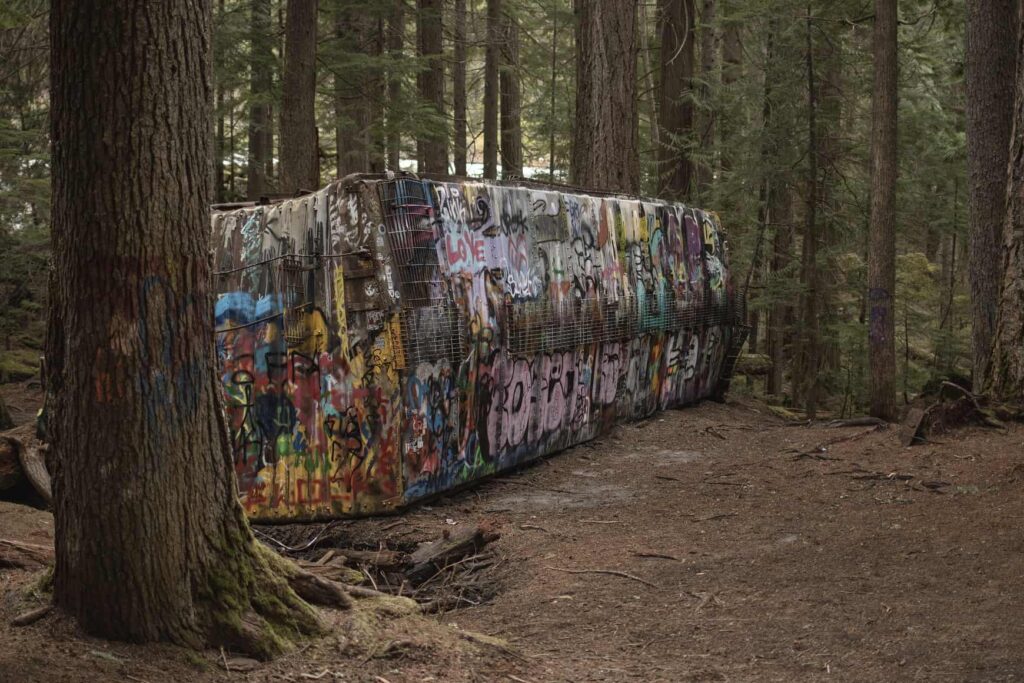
x,y
434,556
18,555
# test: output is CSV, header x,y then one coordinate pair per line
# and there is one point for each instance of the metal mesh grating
x,y
433,333
409,223
536,326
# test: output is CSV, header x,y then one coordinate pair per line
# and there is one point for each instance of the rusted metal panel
x,y
390,339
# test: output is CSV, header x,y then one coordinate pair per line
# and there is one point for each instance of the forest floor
x,y
746,549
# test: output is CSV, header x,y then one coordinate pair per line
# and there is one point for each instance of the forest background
x,y
758,110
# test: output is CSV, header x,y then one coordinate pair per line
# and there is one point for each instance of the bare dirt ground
x,y
731,547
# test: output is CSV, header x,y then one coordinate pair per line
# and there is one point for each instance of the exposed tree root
x,y
260,603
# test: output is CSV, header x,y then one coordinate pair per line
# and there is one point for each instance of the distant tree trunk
x,y
552,94
151,542
459,86
260,84
221,140
604,154
432,147
882,231
511,130
709,49
1007,361
990,62
732,67
651,91
675,165
300,158
780,212
218,152
810,341
396,40
492,58
358,93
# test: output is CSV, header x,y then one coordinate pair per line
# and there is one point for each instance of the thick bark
x,y
459,87
260,82
395,43
1007,363
990,65
604,154
511,130
492,57
300,156
709,57
433,146
675,165
882,230
151,543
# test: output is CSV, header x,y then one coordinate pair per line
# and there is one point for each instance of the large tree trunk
x,y
1007,361
511,129
882,231
604,154
395,40
675,167
991,43
492,56
300,155
459,86
151,543
260,83
433,147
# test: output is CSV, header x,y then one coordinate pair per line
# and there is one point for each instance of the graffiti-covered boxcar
x,y
389,338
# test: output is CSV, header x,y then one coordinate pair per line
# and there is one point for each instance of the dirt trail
x,y
744,553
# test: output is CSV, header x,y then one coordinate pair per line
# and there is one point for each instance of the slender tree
x,y
459,87
261,41
511,108
151,542
1007,361
882,229
492,59
675,163
604,154
433,146
300,156
990,62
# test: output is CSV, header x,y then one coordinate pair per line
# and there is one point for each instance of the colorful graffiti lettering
x,y
390,339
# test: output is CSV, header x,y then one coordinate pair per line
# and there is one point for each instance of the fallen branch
x,y
609,572
32,616
658,556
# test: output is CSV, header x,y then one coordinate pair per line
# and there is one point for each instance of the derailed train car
x,y
390,338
